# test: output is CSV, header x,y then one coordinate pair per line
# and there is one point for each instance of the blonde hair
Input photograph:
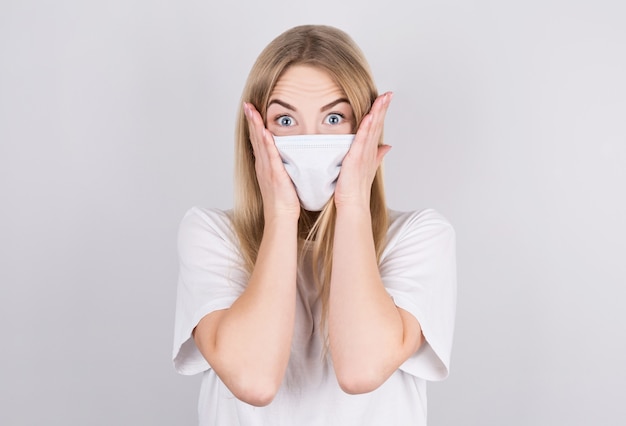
x,y
333,51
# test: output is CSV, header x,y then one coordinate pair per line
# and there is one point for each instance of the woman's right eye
x,y
285,121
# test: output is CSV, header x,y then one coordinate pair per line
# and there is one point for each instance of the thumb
x,y
382,151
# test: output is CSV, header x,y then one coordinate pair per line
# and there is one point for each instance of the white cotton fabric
x,y
313,162
418,270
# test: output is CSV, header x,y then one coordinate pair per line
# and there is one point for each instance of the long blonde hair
x,y
333,51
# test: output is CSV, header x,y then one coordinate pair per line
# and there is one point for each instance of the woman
x,y
310,302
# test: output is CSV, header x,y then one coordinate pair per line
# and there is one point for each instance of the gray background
x,y
117,116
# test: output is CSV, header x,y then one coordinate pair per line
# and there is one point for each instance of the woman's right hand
x,y
277,189
248,344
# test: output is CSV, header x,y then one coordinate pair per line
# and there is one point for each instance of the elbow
x,y
359,382
258,392
256,397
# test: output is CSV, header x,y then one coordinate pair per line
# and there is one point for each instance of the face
x,y
306,101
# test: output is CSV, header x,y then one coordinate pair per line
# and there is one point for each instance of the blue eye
x,y
334,119
285,121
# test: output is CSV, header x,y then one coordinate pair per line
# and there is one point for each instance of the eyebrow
x,y
281,103
292,108
333,103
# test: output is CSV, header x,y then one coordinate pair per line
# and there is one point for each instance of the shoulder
x,y
203,217
418,233
200,225
426,220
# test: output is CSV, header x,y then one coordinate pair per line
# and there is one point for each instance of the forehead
x,y
305,81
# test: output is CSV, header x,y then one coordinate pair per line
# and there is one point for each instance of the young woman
x,y
312,303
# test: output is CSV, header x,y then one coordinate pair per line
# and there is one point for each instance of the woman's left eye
x,y
334,119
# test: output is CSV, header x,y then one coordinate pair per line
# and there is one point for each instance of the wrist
x,y
281,218
356,200
353,209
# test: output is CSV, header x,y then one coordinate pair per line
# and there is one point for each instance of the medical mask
x,y
313,163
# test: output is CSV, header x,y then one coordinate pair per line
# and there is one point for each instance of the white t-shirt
x,y
418,270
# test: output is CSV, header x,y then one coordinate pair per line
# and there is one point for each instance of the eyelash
x,y
342,120
279,117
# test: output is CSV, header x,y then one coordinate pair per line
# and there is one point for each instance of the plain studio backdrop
x,y
116,117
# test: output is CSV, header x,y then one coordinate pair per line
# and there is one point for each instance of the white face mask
x,y
313,163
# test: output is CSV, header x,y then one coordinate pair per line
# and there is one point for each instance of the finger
x,y
375,118
370,130
382,151
247,110
379,111
266,154
256,128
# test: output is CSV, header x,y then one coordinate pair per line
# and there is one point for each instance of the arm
x,y
248,345
369,336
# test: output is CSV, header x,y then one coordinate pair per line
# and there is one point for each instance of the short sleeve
x,y
418,269
211,277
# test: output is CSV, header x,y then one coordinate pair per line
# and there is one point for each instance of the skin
x,y
248,345
306,101
370,337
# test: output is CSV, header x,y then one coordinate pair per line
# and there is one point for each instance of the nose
x,y
308,128
311,127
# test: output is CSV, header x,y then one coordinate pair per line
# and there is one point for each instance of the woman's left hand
x,y
359,167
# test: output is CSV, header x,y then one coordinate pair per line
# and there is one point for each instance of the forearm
x,y
248,345
366,329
